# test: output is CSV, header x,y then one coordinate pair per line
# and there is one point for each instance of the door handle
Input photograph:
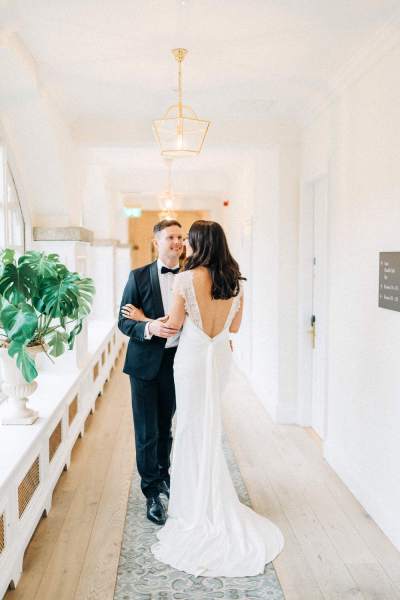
x,y
312,331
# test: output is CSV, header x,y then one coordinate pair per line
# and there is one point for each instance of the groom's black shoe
x,y
156,510
164,488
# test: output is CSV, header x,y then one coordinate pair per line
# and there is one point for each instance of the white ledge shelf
x,y
32,457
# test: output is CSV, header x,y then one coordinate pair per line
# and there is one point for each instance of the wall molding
x,y
62,234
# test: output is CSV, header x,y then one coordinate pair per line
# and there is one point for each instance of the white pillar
x,y
103,272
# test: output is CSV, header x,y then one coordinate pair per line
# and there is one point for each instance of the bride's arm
x,y
237,319
176,315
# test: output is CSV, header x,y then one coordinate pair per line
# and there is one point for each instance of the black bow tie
x,y
166,270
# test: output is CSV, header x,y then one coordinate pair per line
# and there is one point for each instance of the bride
x,y
209,532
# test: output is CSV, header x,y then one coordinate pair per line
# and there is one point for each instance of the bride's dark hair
x,y
210,249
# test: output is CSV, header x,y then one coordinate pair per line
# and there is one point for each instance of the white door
x,y
318,317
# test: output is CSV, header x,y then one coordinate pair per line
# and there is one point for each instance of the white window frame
x,y
7,184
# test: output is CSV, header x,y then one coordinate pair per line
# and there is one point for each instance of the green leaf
x,y
25,361
62,270
17,283
57,341
19,322
60,296
86,291
37,295
7,256
42,264
38,303
73,333
3,304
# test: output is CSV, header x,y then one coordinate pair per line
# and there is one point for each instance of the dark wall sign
x,y
389,280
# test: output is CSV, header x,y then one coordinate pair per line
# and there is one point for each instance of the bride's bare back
x,y
193,293
213,313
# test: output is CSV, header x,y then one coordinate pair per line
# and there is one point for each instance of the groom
x,y
149,363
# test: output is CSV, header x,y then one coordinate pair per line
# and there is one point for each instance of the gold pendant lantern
x,y
180,133
168,199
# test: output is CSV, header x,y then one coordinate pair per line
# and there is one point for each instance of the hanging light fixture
x,y
180,133
168,199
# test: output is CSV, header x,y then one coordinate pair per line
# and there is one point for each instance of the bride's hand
x,y
129,311
163,319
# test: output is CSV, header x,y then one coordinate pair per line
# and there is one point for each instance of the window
x,y
12,225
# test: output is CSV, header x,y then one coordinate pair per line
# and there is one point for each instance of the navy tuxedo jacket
x,y
143,357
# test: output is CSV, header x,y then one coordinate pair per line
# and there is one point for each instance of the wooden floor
x,y
333,549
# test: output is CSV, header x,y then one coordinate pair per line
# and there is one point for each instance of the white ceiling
x,y
108,66
256,69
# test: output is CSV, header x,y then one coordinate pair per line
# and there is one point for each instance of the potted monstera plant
x,y
42,308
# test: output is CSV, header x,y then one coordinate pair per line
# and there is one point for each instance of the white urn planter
x,y
17,390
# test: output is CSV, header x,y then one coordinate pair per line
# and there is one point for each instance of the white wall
x,y
262,224
44,157
98,209
357,142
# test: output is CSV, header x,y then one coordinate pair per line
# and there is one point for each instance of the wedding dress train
x,y
209,532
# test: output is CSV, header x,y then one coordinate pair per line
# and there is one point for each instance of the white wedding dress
x,y
209,532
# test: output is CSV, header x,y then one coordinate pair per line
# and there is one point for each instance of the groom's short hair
x,y
164,224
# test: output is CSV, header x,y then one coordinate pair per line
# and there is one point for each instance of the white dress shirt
x,y
166,286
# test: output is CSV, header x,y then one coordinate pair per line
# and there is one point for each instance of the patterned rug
x,y
141,577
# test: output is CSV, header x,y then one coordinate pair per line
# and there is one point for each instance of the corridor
x,y
275,124
333,547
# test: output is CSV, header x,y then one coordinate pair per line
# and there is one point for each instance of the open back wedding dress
x,y
209,532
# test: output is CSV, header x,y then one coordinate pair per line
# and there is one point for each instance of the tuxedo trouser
x,y
153,406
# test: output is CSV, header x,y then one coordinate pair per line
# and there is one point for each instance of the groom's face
x,y
169,243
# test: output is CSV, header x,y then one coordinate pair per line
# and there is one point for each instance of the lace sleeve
x,y
183,285
179,286
237,300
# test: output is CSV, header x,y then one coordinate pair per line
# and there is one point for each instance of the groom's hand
x,y
159,329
